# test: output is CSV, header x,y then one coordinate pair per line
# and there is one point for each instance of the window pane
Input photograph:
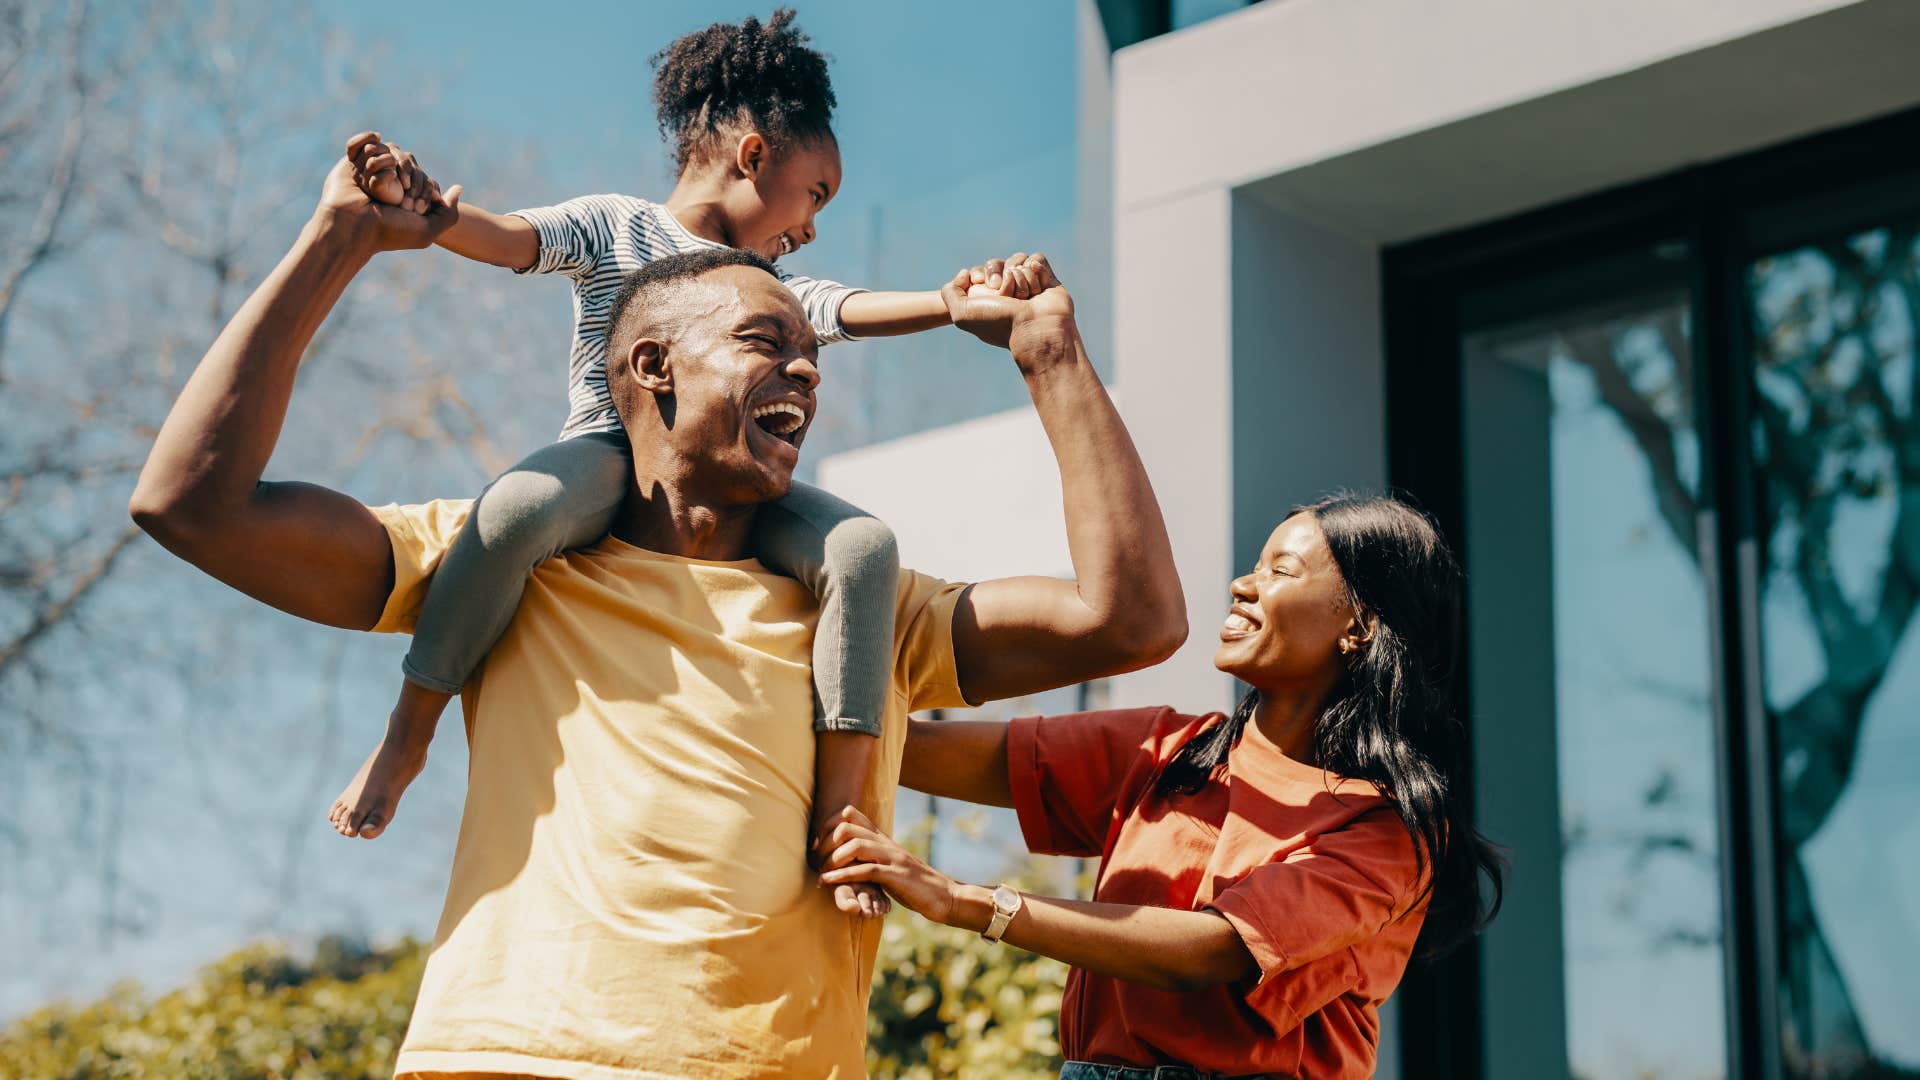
x,y
1838,446
1592,683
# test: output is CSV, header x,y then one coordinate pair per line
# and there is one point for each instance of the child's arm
x,y
393,176
507,240
888,314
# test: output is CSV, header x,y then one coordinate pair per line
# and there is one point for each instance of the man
x,y
629,895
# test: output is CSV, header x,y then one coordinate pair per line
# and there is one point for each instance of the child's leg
x,y
561,496
850,561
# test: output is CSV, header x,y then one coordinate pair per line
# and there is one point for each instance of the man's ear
x,y
750,154
650,365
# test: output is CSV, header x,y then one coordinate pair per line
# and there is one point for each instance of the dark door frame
x,y
1722,215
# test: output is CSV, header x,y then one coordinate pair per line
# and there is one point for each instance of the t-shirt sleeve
x,y
822,300
1342,888
574,234
1072,775
924,669
420,535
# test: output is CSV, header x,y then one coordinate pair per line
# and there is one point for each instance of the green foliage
x,y
945,1003
256,1013
948,1003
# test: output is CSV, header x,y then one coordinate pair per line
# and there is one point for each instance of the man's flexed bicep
x,y
304,549
1123,609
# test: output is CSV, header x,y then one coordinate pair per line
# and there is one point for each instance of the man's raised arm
x,y
304,549
1123,609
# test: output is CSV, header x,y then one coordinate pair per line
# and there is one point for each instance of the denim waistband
x,y
1086,1070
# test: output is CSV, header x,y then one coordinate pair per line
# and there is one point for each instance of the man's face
x,y
744,375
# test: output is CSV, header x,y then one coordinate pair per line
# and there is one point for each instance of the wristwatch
x,y
1006,904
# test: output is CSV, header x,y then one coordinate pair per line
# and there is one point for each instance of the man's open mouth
x,y
781,419
784,246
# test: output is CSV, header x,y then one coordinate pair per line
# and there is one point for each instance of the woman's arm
x,y
890,314
1163,948
958,759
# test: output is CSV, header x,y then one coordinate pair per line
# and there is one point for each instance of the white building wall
x,y
968,502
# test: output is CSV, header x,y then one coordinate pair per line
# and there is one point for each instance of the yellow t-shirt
x,y
630,896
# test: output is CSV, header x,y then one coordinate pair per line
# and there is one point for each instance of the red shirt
x,y
1315,872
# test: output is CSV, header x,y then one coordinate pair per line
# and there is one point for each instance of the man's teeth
x,y
1238,623
786,244
786,417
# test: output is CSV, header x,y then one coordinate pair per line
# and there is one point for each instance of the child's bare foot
x,y
866,901
366,807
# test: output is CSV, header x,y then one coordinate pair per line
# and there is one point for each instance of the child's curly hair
x,y
711,82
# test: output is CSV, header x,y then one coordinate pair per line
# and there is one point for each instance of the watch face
x,y
1006,900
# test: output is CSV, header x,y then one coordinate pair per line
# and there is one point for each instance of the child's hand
x,y
391,175
1019,276
976,303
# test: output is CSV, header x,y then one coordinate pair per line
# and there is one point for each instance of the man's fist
x,y
999,299
391,175
345,203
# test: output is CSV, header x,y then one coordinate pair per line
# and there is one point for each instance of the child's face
x,y
789,187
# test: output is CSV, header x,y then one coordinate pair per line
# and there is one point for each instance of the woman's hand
x,y
864,853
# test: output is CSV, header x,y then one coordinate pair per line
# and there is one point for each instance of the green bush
x,y
256,1013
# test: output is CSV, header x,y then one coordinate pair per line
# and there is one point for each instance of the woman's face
x,y
1288,616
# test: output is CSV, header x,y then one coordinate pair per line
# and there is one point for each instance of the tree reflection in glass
x,y
1838,447
1602,394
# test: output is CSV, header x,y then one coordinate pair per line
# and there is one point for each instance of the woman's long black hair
x,y
1391,720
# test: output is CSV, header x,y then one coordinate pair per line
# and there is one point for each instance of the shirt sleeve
x,y
925,672
1073,775
822,300
575,234
420,536
1341,889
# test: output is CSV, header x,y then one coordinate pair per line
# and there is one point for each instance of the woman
x,y
1265,876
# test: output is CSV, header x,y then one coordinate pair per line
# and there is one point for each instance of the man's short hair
x,y
650,284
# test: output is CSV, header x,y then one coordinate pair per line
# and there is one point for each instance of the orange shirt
x,y
1315,872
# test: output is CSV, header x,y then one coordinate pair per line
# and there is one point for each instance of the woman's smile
x,y
1241,622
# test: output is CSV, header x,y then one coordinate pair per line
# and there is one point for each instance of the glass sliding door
x,y
1592,673
1685,476
1837,462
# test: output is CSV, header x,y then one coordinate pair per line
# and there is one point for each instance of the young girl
x,y
748,108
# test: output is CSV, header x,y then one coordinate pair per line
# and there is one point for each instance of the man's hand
x,y
391,175
345,205
989,302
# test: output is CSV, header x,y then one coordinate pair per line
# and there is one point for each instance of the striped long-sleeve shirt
x,y
597,240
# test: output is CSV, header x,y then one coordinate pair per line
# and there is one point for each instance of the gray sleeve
x,y
574,234
822,299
